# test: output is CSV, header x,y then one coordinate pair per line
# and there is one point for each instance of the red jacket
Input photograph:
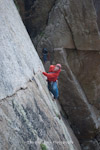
x,y
52,76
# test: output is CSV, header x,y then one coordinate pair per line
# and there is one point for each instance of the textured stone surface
x,y
57,33
27,119
91,145
79,93
35,15
72,24
97,7
13,52
86,68
79,82
21,7
81,17
70,21
73,98
28,116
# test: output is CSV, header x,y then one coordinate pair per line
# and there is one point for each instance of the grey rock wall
x,y
28,116
16,66
72,24
73,33
97,7
35,14
79,86
79,94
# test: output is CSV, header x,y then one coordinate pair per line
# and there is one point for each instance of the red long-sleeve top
x,y
52,75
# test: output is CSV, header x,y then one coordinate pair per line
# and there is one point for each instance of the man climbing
x,y
52,77
45,54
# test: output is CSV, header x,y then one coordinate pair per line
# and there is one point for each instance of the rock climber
x,y
52,77
45,54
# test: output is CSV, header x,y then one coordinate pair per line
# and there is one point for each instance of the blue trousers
x,y
45,57
53,88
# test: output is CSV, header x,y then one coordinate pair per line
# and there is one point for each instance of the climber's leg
x,y
55,90
44,57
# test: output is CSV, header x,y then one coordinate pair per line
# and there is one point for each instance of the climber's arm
x,y
50,75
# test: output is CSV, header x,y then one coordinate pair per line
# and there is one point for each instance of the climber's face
x,y
56,68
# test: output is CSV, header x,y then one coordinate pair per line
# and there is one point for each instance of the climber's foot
x,y
55,99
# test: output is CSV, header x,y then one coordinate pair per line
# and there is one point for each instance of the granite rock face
x,y
79,86
72,24
67,22
35,14
28,116
72,33
97,7
14,55
28,119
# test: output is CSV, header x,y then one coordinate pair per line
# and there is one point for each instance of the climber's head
x,y
57,67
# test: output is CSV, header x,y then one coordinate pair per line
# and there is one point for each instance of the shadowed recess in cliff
x,y
35,15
